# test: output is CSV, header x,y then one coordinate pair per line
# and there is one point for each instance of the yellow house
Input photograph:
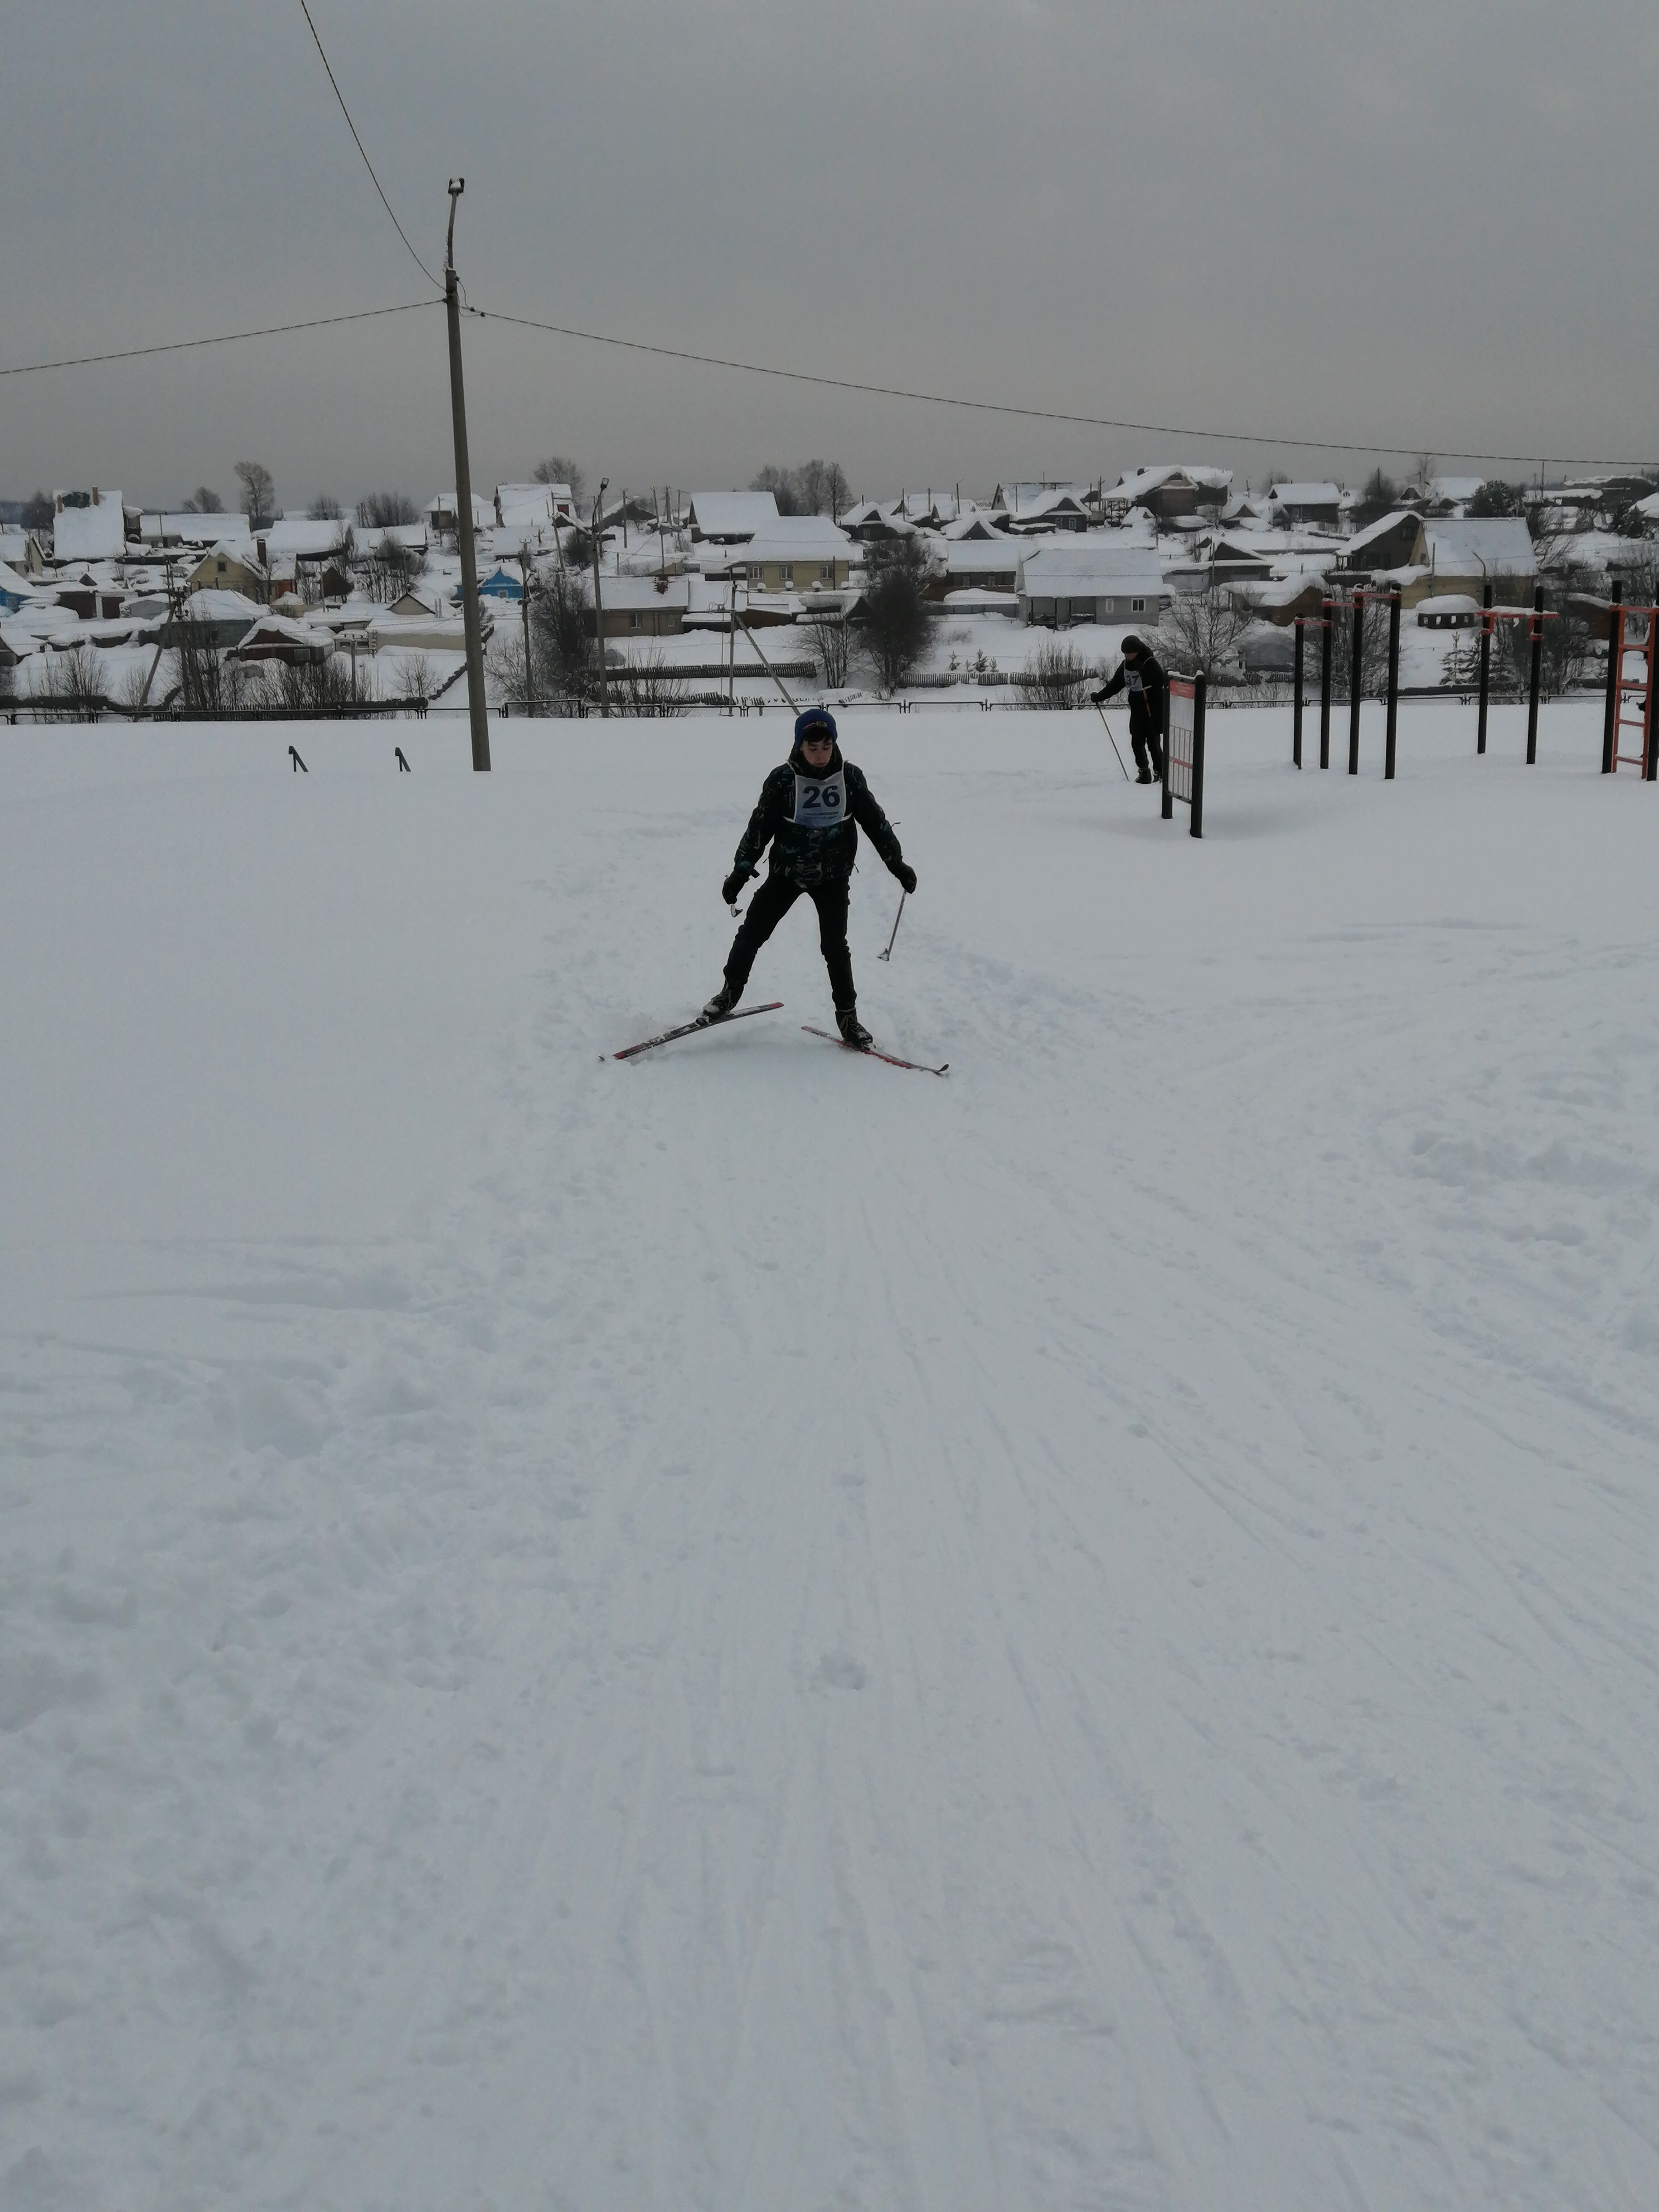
x,y
226,569
795,553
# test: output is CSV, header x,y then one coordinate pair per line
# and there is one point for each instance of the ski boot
x,y
722,1002
853,1031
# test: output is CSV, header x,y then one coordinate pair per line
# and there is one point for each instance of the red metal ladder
x,y
1633,691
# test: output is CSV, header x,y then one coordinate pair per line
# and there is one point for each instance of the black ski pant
x,y
1143,736
767,909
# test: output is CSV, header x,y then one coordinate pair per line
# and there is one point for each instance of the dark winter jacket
x,y
1146,683
809,854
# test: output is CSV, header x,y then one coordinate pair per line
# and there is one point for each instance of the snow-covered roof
x,y
1036,502
628,594
733,514
1492,545
1079,566
210,605
1307,495
269,629
1027,498
1458,490
1135,483
442,505
244,554
308,537
96,532
191,529
531,503
1374,530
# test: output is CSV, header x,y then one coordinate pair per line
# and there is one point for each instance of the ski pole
x,y
1107,726
898,918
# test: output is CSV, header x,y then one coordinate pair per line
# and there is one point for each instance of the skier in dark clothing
x,y
1143,678
811,811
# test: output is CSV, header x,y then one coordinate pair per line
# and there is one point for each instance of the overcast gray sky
x,y
1428,226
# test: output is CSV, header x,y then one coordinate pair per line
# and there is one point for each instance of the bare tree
x,y
506,670
385,571
896,616
815,488
1373,649
559,468
1057,677
1200,633
386,510
416,678
204,501
561,633
316,683
780,482
648,687
324,507
38,511
74,689
830,640
259,490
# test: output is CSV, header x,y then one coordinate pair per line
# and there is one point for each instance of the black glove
x,y
1099,697
907,876
732,887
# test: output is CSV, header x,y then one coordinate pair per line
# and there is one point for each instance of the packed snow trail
x,y
722,1632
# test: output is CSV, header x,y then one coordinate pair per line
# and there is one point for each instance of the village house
x,y
1395,542
87,526
1029,508
1296,505
164,533
729,518
440,512
1097,582
1168,491
1465,554
645,606
793,553
230,569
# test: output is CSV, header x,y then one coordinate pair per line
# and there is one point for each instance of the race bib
x,y
821,801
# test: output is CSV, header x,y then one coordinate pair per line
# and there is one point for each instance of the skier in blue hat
x,y
811,811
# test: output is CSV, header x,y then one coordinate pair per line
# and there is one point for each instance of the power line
x,y
223,337
1004,407
368,164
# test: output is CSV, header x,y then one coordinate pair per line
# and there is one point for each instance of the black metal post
x,y
1615,673
1353,681
1537,673
1325,686
1295,712
1486,668
1394,681
1198,754
1163,749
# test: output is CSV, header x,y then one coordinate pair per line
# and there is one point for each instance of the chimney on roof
x,y
95,499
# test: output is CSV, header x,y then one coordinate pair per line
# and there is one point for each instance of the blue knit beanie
x,y
815,718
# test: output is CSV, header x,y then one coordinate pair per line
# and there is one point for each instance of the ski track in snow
x,y
752,1629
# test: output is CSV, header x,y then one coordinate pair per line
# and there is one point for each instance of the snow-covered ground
x,y
751,1629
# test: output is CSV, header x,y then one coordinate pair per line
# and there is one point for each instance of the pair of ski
x,y
772,1006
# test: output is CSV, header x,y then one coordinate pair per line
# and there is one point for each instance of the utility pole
x,y
472,625
524,609
598,605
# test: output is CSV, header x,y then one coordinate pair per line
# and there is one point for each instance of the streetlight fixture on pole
x,y
599,602
472,627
